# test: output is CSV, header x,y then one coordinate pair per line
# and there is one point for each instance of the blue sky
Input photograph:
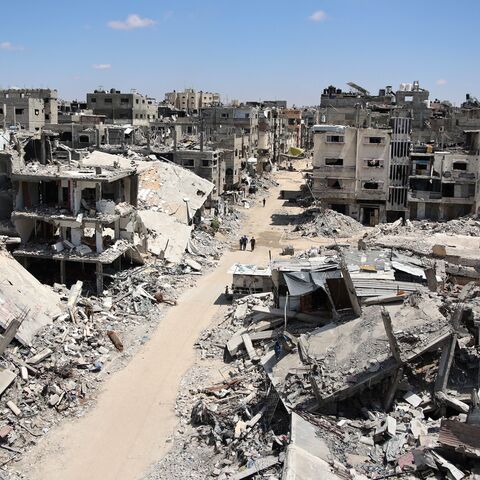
x,y
244,49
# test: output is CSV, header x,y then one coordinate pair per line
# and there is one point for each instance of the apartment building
x,y
123,108
443,184
206,163
292,119
28,108
192,101
235,130
69,219
351,170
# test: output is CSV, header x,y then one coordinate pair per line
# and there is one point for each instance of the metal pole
x,y
285,312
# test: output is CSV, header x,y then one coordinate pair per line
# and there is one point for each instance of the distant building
x,y
190,100
443,183
28,109
123,108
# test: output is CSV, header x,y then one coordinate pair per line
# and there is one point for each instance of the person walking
x,y
252,243
245,242
241,243
264,201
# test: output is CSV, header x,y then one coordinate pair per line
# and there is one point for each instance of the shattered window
x,y
375,163
334,183
371,185
335,139
460,166
334,161
376,140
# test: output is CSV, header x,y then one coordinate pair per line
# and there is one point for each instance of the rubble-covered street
x,y
233,260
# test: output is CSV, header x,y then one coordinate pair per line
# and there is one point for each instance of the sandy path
x,y
127,430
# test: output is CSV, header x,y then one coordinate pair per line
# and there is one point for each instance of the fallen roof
x,y
170,188
167,236
20,291
357,353
104,159
340,359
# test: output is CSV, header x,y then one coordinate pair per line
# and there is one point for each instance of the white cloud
x,y
318,16
441,81
9,46
102,66
133,21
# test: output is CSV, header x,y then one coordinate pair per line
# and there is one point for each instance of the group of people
x,y
244,243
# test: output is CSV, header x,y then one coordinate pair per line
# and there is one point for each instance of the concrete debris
x,y
71,340
327,223
282,365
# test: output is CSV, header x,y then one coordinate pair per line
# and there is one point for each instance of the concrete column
x,y
76,236
99,237
117,229
420,211
62,272
126,189
98,192
77,198
99,273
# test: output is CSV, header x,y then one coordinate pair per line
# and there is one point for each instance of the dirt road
x,y
128,428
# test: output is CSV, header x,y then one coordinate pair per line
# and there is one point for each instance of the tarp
x,y
296,152
301,283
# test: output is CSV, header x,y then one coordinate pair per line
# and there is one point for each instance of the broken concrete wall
x,y
20,291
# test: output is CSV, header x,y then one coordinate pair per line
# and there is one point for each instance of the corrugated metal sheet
x,y
460,435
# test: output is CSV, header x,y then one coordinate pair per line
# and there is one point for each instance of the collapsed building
x,y
73,218
358,364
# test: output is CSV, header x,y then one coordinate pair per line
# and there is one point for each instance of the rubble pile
x,y
469,225
328,223
387,394
415,234
59,373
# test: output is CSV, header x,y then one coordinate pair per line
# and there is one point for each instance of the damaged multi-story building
x,y
28,109
123,108
351,170
191,100
378,175
235,130
443,183
73,221
209,164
